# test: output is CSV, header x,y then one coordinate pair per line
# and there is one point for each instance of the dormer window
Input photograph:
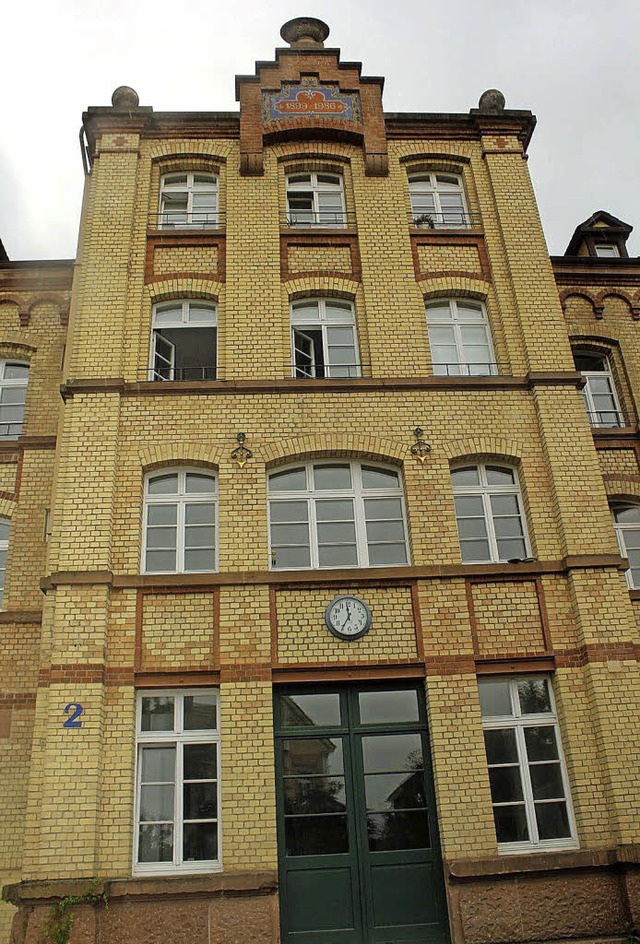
x,y
606,251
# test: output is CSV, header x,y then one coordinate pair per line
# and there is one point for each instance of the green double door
x,y
357,837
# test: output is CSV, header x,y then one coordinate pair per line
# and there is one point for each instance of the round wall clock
x,y
348,617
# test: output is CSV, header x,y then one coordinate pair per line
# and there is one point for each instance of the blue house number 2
x,y
76,710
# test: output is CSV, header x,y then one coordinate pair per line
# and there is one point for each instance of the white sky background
x,y
574,63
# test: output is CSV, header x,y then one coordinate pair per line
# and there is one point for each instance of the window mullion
x,y
526,784
313,531
359,516
177,809
491,531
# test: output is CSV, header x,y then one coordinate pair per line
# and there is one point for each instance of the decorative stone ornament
x,y
241,453
125,97
492,102
304,31
420,449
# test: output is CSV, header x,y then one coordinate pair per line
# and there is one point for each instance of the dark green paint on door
x,y
357,833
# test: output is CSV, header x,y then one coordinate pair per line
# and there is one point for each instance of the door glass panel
x,y
409,830
305,710
312,756
385,707
394,791
391,753
316,835
314,795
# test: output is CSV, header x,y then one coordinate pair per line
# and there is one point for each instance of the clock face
x,y
348,617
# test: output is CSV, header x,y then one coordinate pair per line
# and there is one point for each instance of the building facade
x,y
334,639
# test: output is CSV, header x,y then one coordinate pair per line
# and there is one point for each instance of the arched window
x,y
437,201
315,199
14,376
336,514
460,338
189,201
599,391
184,341
323,338
180,522
491,524
626,520
4,548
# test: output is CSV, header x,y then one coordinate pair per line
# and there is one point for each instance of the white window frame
x,y
9,383
178,737
606,251
316,188
191,187
181,321
485,491
519,722
588,396
4,550
357,493
324,322
431,184
464,367
621,529
180,499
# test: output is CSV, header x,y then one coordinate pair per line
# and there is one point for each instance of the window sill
x,y
175,871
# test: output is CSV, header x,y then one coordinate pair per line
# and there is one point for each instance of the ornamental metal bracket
x,y
420,448
241,453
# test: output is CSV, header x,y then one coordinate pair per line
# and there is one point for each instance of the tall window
x,y
183,341
626,520
460,338
4,549
315,199
336,514
599,392
178,782
437,200
529,787
180,522
323,338
14,376
489,514
189,201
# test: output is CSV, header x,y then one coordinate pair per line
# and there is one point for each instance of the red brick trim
x,y
517,662
346,671
17,699
88,673
596,653
337,239
439,238
184,678
160,240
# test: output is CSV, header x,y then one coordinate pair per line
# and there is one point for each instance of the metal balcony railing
x,y
324,371
178,374
322,219
180,220
451,219
462,369
607,419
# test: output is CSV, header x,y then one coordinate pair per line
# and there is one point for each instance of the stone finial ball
x,y
304,29
492,100
125,97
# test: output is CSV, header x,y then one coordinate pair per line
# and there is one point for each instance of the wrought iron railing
x,y
451,219
322,219
181,220
607,419
324,371
477,369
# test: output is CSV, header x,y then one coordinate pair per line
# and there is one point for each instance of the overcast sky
x,y
574,63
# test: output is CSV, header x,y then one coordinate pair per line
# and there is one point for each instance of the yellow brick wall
x,y
312,259
185,259
448,258
618,461
507,618
177,631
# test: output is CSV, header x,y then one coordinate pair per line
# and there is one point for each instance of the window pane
x,y
336,533
200,842
398,831
498,476
469,528
501,746
534,696
506,784
316,835
394,791
199,536
303,710
494,697
199,483
160,561
199,761
4,529
469,507
379,478
202,513
508,527
158,764
541,743
504,504
161,538
292,480
156,803
392,752
157,714
388,706
163,485
552,820
291,558
337,555
289,512
511,550
16,371
200,712
200,800
389,531
162,515
511,823
203,560
313,756
475,552
314,795
383,509
332,476
628,515
334,509
387,555
155,843
465,477
289,535
546,781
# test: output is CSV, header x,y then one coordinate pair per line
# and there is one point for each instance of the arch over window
x,y
336,514
4,549
315,198
180,521
14,377
323,338
438,201
184,341
460,338
599,392
626,521
189,200
489,513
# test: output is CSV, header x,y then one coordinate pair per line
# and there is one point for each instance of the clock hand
x,y
348,616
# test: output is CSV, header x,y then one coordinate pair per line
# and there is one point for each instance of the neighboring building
x,y
316,622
